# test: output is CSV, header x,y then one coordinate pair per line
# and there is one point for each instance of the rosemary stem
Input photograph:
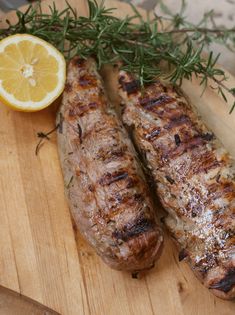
x,y
201,30
143,48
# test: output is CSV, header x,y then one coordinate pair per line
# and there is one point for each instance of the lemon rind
x,y
9,99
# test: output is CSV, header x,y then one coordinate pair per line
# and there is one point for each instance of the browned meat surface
x,y
106,189
194,177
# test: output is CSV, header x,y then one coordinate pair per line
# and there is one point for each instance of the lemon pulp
x,y
32,72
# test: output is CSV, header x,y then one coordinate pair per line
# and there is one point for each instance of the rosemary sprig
x,y
144,48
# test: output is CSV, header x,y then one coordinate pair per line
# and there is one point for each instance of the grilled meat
x,y
194,177
106,189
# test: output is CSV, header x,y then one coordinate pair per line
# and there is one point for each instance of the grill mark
x,y
108,178
93,105
87,81
151,103
182,148
80,109
214,192
208,136
227,283
119,202
203,162
223,190
111,155
129,87
126,198
101,129
154,133
167,113
188,144
178,121
79,132
192,143
133,229
177,140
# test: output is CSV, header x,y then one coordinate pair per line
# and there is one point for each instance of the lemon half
x,y
32,72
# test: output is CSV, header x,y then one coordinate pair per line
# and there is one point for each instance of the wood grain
x,y
44,259
12,303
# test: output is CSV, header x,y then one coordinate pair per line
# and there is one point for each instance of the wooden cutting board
x,y
12,303
43,257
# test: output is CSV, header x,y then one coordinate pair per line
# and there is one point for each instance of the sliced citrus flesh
x,y
32,72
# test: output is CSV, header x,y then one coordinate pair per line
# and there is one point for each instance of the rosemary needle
x,y
143,47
